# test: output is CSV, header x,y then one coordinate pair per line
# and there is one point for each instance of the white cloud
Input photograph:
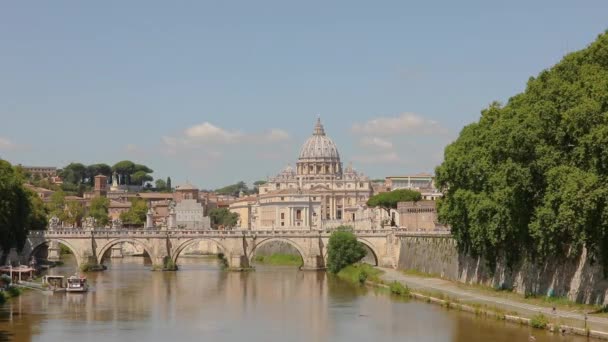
x,y
207,132
6,144
375,142
404,123
382,158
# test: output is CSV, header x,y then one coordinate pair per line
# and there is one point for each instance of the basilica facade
x,y
318,192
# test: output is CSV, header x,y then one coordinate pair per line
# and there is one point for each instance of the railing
x,y
182,233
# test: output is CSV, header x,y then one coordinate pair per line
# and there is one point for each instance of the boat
x,y
77,284
54,283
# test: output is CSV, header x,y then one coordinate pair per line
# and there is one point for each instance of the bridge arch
x,y
277,239
370,247
75,252
105,248
189,242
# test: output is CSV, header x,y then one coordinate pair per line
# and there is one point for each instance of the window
x,y
282,216
298,214
282,224
282,198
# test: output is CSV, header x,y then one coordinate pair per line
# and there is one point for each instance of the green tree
x,y
169,188
222,217
15,208
234,189
140,178
56,205
343,249
160,184
530,178
99,210
74,212
97,169
124,168
136,215
73,173
389,200
37,217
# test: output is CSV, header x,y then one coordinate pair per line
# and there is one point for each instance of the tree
x,y
56,206
99,210
234,189
389,200
343,249
97,169
222,217
160,184
74,212
136,215
37,217
73,173
169,188
15,208
140,178
530,178
124,168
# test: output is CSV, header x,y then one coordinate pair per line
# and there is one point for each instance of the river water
x,y
200,302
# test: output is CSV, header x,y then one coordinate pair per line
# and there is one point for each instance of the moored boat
x,y
77,284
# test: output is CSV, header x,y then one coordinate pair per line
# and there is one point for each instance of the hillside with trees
x,y
530,178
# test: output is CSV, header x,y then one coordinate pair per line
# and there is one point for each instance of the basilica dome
x,y
319,147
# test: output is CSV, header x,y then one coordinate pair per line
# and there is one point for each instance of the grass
x,y
399,289
539,321
562,303
360,273
420,274
279,259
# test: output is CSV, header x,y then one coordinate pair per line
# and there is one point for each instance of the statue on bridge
x,y
89,223
116,223
54,223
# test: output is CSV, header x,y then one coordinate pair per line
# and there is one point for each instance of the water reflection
x,y
129,302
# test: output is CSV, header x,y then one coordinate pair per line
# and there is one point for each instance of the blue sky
x,y
220,91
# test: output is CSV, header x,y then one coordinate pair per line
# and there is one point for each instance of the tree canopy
x,y
389,200
136,215
99,210
530,178
222,217
343,249
20,209
234,189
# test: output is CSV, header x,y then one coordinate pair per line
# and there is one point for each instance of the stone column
x,y
116,252
54,252
172,224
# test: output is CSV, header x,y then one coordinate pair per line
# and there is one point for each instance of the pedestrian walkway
x,y
449,288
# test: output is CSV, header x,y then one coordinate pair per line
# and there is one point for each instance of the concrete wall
x,y
576,278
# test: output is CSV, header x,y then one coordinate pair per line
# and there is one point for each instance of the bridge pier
x,y
238,262
54,252
116,252
313,263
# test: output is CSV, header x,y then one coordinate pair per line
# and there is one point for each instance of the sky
x,y
214,92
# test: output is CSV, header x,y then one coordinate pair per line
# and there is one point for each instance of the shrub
x,y
2,297
539,321
13,291
343,250
399,289
362,277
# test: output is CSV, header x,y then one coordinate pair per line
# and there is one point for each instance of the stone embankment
x,y
575,278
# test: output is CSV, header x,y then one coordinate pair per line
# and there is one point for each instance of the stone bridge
x,y
238,246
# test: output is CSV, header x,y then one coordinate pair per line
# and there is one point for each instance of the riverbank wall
x,y
576,278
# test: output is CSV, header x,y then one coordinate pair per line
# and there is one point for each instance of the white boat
x,y
77,284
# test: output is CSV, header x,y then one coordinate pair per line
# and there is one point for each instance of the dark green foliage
x,y
539,321
234,189
530,179
389,200
399,289
136,216
222,217
343,250
17,212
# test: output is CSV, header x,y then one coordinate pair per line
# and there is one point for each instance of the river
x,y
128,302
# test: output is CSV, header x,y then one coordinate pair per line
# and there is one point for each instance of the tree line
x,y
530,178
